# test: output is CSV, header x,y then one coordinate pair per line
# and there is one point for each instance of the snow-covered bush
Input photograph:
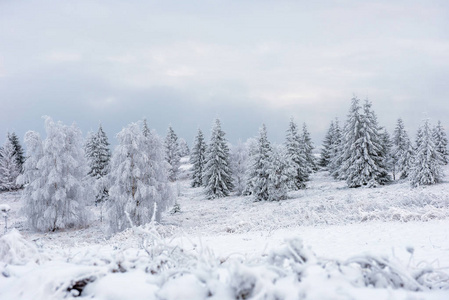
x,y
16,250
4,211
56,192
161,269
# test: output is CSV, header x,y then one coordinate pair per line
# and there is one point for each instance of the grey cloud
x,y
247,62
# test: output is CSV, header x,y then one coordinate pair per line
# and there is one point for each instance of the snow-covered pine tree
x,y
172,153
427,162
98,156
56,194
239,167
418,138
307,148
217,174
198,159
88,147
440,139
327,145
139,179
18,150
386,160
297,156
260,167
183,148
336,152
402,151
252,145
9,168
280,174
363,164
350,135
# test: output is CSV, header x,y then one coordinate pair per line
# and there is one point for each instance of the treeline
x,y
63,173
362,153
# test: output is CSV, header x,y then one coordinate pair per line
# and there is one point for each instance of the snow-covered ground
x,y
366,244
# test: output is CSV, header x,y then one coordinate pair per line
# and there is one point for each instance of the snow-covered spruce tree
x,y
260,167
56,192
350,135
363,164
325,156
18,151
297,156
402,151
336,152
172,153
9,168
252,145
440,139
198,159
418,139
98,156
386,161
426,168
280,174
307,148
183,148
139,179
239,167
217,174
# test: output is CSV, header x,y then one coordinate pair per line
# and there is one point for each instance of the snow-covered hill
x,y
325,242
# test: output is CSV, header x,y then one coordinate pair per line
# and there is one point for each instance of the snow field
x,y
325,242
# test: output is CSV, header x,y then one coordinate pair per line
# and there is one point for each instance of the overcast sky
x,y
185,63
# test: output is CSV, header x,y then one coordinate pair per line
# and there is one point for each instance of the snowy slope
x,y
385,243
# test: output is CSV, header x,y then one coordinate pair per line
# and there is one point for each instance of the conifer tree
x,y
402,151
98,156
440,139
18,150
350,135
426,168
9,168
336,152
56,194
172,153
217,176
139,179
280,174
252,145
297,156
198,159
260,168
239,167
363,163
385,156
183,148
327,145
307,148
